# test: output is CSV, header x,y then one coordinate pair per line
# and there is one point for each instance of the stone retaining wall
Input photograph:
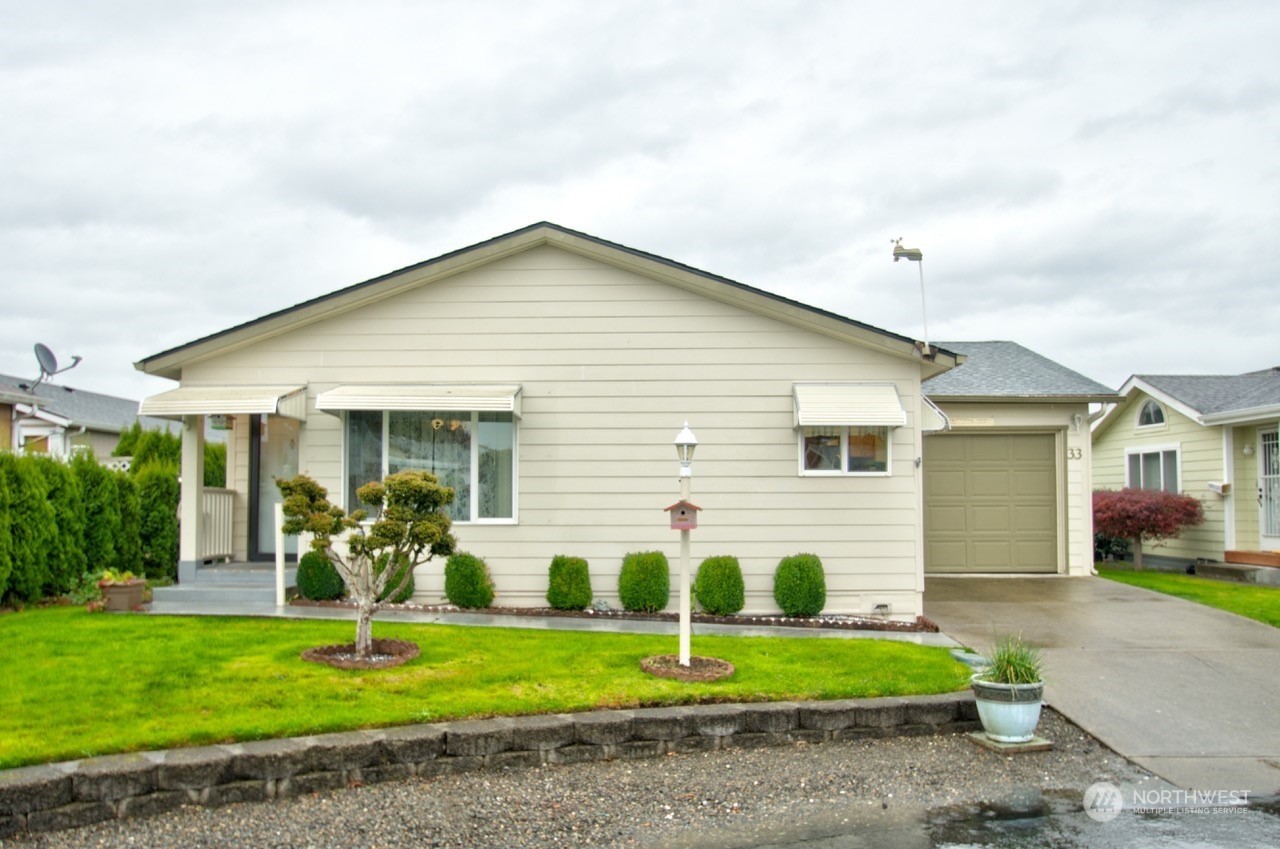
x,y
78,793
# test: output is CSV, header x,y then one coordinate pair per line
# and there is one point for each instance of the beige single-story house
x,y
1213,437
53,419
1007,486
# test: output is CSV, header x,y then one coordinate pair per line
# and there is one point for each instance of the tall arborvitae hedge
x,y
67,562
158,493
32,528
6,538
101,512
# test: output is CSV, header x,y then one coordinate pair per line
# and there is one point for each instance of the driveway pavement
x,y
1188,692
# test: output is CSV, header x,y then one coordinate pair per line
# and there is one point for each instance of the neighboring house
x,y
54,419
1213,437
544,374
1007,486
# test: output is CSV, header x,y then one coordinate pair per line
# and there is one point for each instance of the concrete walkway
x,y
1188,692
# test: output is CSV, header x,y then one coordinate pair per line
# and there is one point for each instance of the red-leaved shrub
x,y
1143,515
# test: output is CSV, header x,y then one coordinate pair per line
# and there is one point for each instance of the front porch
x,y
1246,567
229,587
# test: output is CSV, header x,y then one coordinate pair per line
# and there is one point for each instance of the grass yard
x,y
80,684
1255,602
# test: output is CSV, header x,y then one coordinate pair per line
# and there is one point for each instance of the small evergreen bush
x,y
317,579
158,494
394,581
129,540
718,586
467,582
644,585
33,527
799,585
569,587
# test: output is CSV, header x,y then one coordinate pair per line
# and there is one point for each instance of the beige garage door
x,y
990,503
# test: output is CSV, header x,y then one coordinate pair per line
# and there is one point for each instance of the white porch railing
x,y
215,539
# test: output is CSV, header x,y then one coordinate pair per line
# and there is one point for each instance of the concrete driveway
x,y
1189,693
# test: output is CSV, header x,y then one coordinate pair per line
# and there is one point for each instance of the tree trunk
x,y
1137,554
364,631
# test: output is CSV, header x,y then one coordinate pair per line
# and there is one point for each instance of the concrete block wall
x,y
79,793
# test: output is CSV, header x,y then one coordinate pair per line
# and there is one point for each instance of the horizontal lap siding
x,y
611,364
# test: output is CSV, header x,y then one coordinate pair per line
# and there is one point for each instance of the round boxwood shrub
x,y
718,586
467,582
317,579
799,585
644,585
569,587
394,581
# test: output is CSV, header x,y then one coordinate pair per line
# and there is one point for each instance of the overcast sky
x,y
1099,182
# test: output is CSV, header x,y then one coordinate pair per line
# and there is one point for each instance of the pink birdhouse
x,y
684,515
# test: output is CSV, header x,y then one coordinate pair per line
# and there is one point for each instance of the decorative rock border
x,y
79,793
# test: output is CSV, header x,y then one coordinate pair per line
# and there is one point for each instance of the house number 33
x,y
1075,453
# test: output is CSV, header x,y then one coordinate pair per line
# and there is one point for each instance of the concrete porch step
x,y
224,585
1240,573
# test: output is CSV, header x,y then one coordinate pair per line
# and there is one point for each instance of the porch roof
x,y
288,401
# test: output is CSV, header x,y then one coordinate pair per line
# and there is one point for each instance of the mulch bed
x,y
386,654
834,622
699,669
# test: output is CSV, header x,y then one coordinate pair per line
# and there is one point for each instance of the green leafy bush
x,y
317,578
569,587
32,527
101,511
129,542
66,559
718,586
800,586
394,581
6,536
158,494
215,464
467,582
644,585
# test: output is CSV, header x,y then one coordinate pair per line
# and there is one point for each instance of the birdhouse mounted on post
x,y
684,515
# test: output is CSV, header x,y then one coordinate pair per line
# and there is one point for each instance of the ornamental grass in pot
x,y
1009,690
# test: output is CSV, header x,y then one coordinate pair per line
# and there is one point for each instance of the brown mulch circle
x,y
699,668
837,622
386,654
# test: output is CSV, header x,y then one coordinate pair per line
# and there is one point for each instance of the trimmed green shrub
x,y
467,582
800,586
129,543
718,586
6,537
569,587
644,585
101,511
128,439
394,581
32,527
158,495
67,562
317,578
153,445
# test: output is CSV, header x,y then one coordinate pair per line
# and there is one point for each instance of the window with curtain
x,y
849,450
472,452
1156,469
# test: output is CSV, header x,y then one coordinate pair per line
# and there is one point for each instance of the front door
x,y
1269,489
273,455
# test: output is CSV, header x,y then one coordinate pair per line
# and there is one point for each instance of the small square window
x,y
852,450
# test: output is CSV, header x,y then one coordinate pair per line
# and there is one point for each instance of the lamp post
x,y
915,255
685,443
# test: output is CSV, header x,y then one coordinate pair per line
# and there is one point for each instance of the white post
x,y
278,509
685,601
191,532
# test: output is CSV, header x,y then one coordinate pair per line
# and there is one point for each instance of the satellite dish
x,y
49,364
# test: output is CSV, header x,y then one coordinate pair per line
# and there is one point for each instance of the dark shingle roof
x,y
90,409
1008,370
1219,393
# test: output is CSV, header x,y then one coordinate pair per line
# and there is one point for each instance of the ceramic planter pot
x,y
122,595
1009,712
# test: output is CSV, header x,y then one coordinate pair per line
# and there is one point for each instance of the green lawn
x,y
80,684
1255,602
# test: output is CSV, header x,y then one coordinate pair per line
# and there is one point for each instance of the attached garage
x,y
991,503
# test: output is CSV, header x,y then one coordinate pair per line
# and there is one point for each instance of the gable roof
x,y
169,363
1006,370
1213,399
79,407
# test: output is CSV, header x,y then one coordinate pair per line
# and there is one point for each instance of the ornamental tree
x,y
408,528
1143,515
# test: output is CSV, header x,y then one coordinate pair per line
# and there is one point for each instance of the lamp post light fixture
x,y
685,443
915,255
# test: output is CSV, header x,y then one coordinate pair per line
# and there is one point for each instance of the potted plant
x,y
121,591
1009,691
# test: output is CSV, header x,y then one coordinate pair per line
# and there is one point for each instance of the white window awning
x,y
486,398
288,401
866,404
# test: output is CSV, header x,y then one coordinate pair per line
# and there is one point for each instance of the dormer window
x,y
1151,414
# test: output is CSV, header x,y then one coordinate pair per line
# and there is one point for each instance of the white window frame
x,y
1164,416
474,481
844,454
1175,448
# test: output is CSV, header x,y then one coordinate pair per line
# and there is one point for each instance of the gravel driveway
x,y
737,797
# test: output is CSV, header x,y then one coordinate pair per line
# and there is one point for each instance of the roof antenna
x,y
916,255
49,364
